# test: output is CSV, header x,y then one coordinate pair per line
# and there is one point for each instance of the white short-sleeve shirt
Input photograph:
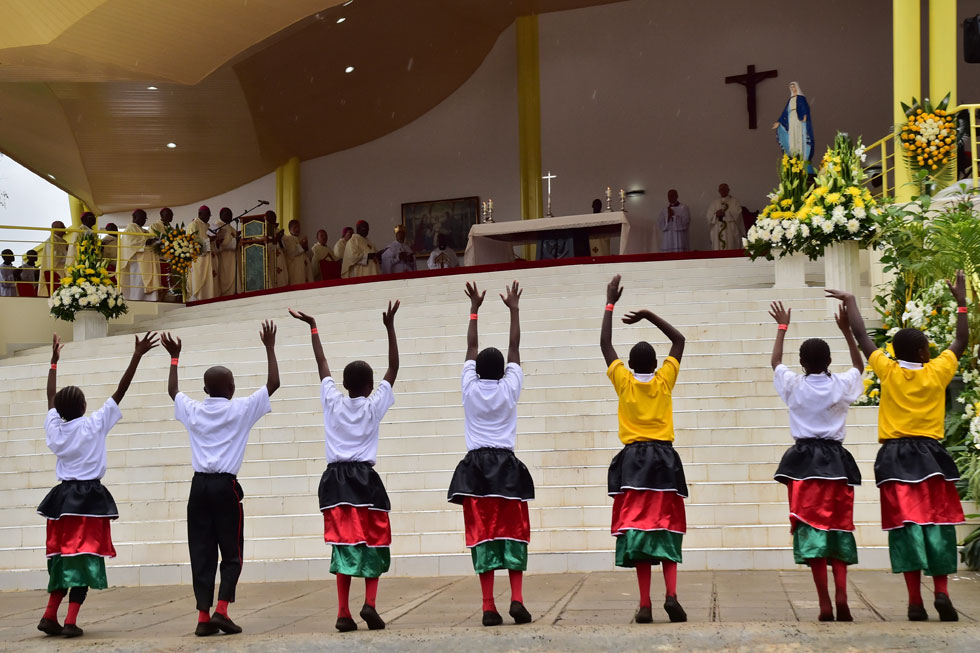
x,y
219,428
351,424
818,403
80,443
490,407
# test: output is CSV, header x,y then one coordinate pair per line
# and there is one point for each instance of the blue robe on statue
x,y
793,145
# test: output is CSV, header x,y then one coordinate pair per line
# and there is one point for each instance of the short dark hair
x,y
357,376
643,358
815,356
70,402
490,364
7,252
908,343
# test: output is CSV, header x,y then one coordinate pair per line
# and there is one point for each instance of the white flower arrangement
x,y
87,285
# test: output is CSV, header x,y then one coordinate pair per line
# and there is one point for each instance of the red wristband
x,y
473,316
173,361
54,366
782,327
962,309
314,331
610,307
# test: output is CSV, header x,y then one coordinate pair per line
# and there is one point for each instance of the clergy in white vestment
x,y
277,274
166,281
674,224
295,247
110,246
725,219
226,246
360,256
397,256
202,278
321,251
52,262
75,234
338,248
442,256
139,271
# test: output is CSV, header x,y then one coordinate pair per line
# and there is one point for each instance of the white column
x,y
89,324
842,270
790,271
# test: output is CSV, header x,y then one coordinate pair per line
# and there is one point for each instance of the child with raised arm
x,y
353,499
79,509
914,474
218,428
646,478
819,473
491,484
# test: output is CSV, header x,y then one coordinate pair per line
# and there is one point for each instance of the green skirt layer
x,y
360,560
810,542
83,570
499,554
930,548
648,546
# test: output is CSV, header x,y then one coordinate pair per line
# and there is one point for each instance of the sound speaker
x,y
971,39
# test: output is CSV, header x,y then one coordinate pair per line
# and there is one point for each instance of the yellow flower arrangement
x,y
928,142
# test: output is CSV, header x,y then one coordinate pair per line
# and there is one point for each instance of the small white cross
x,y
549,177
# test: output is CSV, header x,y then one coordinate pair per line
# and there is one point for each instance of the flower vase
x,y
842,270
790,270
89,324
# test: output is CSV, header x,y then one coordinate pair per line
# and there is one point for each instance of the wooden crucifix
x,y
749,80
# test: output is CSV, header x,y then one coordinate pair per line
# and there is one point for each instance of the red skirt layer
x,y
648,510
72,535
495,518
352,525
824,504
932,501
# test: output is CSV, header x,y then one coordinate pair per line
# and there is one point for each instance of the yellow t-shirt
x,y
645,408
913,402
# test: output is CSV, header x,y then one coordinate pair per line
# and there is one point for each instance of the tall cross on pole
x,y
749,81
549,177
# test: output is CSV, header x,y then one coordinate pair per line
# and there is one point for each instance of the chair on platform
x,y
329,270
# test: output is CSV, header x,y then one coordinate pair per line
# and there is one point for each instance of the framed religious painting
x,y
425,220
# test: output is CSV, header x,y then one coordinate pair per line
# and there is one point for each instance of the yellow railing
x,y
972,110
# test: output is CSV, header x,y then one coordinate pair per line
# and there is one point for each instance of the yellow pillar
x,y
287,192
906,77
529,116
942,50
77,208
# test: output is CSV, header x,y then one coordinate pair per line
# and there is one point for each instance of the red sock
x,y
840,580
941,583
54,601
370,591
203,617
643,579
818,567
72,615
343,596
913,581
222,608
670,577
486,586
516,585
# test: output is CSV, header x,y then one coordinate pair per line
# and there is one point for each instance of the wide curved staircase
x,y
731,427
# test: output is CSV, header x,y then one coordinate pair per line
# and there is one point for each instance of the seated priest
x,y
361,259
320,251
295,247
442,256
397,256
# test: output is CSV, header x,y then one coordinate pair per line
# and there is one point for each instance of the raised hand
x,y
782,315
388,317
635,316
299,315
268,334
145,344
842,319
958,288
476,297
614,291
838,294
513,298
56,348
172,344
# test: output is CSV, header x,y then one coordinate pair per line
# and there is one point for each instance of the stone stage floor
x,y
764,610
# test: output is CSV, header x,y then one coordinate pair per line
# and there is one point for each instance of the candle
x,y
622,194
608,193
490,204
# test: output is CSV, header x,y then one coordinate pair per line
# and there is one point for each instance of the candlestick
x,y
490,210
483,211
622,200
608,198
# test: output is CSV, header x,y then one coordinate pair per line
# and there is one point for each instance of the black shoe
x,y
49,626
372,618
519,613
71,630
943,606
917,612
492,618
674,610
345,624
844,612
206,628
644,615
225,623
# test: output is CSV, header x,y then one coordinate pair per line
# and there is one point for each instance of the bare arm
x,y
321,359
172,344
143,345
855,320
472,334
613,293
962,339
676,338
843,323
782,316
512,300
268,337
52,388
388,317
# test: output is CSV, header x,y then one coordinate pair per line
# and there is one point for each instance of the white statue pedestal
x,y
790,271
842,270
89,324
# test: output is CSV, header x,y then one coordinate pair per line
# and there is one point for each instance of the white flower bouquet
x,y
86,285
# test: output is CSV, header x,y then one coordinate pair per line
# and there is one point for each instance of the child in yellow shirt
x,y
914,474
646,479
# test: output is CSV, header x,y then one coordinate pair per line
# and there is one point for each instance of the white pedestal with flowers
x,y
842,269
790,271
89,324
86,296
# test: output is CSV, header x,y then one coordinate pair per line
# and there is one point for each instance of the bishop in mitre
x,y
52,262
296,247
75,234
397,256
360,255
139,264
226,244
201,280
321,251
725,219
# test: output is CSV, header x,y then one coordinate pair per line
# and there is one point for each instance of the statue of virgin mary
x,y
795,127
